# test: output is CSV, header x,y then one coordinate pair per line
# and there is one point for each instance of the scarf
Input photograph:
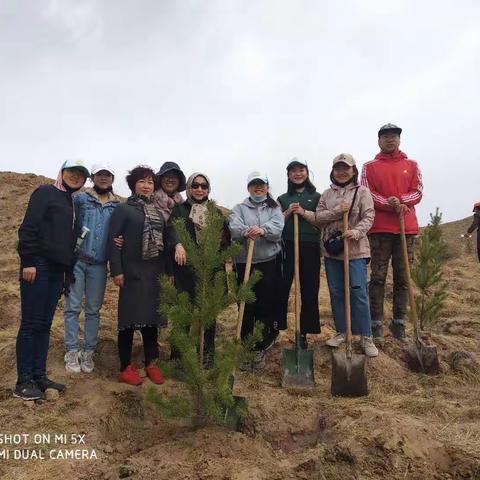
x,y
199,211
165,202
153,226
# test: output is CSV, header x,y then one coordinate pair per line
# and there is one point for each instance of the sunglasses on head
x,y
203,186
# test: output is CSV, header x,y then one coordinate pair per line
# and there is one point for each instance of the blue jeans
x,y
359,306
90,279
39,301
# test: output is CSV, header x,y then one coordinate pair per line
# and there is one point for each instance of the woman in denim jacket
x,y
93,208
259,218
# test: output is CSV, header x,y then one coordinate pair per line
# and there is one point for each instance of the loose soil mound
x,y
411,426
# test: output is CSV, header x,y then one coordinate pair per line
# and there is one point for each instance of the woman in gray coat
x,y
135,269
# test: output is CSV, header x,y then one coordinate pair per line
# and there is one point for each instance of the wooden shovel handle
x,y
408,277
346,288
246,276
296,255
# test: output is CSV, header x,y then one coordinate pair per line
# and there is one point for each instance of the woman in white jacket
x,y
259,218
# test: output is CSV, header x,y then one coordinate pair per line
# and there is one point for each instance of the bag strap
x,y
353,201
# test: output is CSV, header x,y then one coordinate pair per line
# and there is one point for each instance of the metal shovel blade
x,y
231,419
349,376
298,369
423,358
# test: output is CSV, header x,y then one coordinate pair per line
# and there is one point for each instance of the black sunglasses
x,y
203,186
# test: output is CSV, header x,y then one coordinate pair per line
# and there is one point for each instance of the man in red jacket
x,y
396,186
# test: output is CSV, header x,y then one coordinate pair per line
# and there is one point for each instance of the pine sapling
x,y
208,382
428,273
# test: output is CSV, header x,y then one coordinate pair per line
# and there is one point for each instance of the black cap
x,y
389,128
172,166
295,162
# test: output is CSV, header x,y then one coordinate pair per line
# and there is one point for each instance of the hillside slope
x,y
411,426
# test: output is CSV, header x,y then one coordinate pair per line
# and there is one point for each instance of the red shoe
x,y
154,374
131,376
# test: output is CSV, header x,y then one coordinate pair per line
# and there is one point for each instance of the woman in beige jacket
x,y
346,195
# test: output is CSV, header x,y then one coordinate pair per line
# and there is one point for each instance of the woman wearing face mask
x,y
259,218
46,241
135,269
94,208
194,213
345,195
301,199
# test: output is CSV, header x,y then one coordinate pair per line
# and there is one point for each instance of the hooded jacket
x,y
245,215
393,175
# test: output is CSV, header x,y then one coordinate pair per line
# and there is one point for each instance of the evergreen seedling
x,y
428,273
210,389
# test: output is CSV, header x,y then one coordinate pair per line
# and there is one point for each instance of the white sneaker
x,y
86,361
72,363
369,347
336,341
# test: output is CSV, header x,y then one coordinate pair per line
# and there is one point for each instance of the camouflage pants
x,y
383,247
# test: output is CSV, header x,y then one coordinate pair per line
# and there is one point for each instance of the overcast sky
x,y
230,86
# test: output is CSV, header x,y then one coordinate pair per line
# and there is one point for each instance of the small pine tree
x,y
210,389
428,273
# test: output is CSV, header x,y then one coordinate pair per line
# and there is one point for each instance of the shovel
x,y
420,357
230,418
349,370
297,362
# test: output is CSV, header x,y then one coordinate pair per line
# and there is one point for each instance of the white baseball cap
x,y
98,167
257,176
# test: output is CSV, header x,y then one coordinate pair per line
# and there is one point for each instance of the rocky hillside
x,y
411,426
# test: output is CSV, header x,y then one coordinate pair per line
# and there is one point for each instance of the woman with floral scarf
x,y
135,269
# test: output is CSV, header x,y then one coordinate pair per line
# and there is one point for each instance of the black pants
x,y
309,285
263,309
125,343
185,281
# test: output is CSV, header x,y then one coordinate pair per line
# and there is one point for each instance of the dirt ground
x,y
411,426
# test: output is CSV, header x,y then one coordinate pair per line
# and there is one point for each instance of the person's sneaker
x,y
336,341
258,362
86,361
27,391
369,347
398,331
131,376
303,341
154,374
377,333
72,362
44,383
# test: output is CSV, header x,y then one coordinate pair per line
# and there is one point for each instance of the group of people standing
x,y
138,240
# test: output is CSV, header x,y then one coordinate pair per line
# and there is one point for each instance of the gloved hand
x,y
69,280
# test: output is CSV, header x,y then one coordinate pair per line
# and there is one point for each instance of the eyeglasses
x,y
203,186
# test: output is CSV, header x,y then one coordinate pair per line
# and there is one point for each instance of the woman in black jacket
x,y
135,268
46,241
193,211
